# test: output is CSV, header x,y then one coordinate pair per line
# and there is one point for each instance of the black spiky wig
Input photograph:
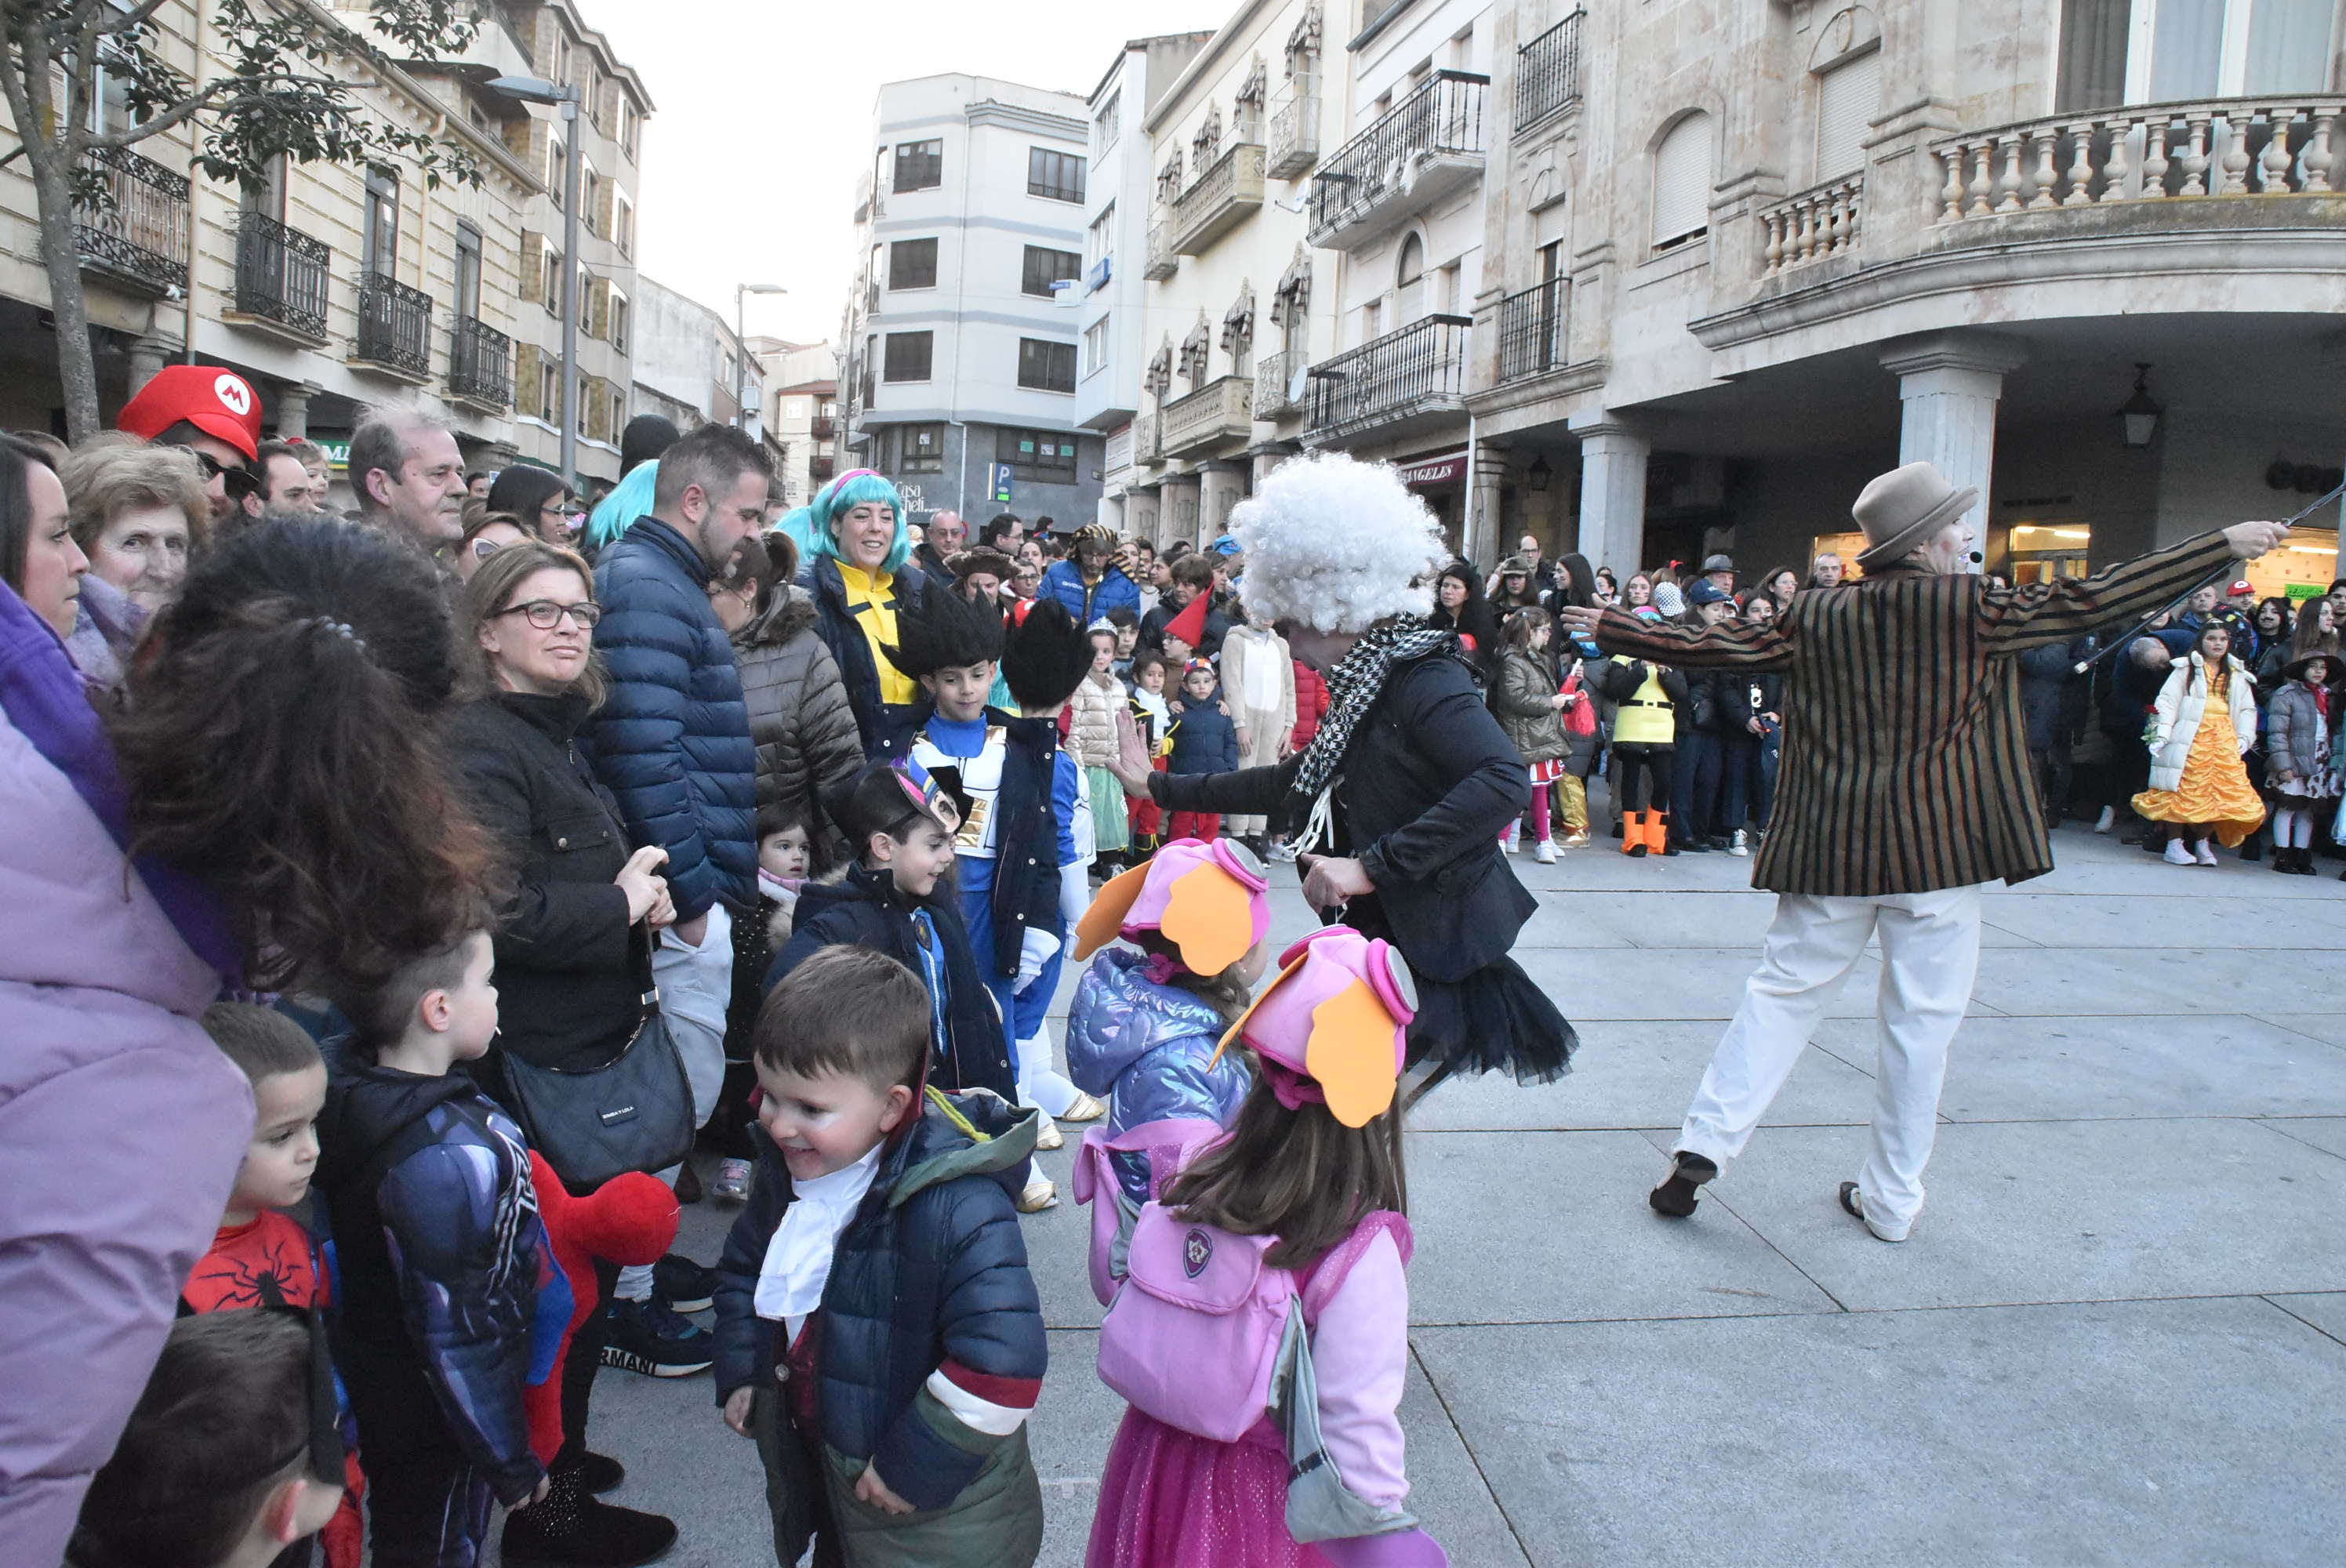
x,y
1045,656
948,632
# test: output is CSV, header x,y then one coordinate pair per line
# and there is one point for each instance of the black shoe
x,y
2253,850
570,1529
682,1284
654,1340
599,1472
688,1183
1675,1196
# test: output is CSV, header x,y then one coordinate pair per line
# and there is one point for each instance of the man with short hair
x,y
409,475
1087,583
1004,533
947,537
1543,572
282,486
1904,790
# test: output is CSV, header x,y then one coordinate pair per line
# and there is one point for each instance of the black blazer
x,y
1428,785
570,976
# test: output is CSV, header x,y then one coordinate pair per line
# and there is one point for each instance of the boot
x,y
1659,837
2284,859
1632,833
570,1529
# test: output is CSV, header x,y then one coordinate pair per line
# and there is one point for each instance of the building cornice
x,y
1018,117
1208,60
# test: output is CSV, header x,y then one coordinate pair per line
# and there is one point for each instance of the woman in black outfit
x,y
572,955
1397,805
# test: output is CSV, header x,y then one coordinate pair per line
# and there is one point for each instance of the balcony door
x,y
2117,52
381,237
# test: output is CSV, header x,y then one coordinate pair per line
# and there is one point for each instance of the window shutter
x,y
1682,180
1848,98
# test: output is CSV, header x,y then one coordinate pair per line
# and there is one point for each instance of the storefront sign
x,y
1430,472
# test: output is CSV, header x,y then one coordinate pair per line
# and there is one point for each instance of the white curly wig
x,y
1337,544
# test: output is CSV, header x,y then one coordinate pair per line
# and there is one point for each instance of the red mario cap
x,y
221,403
2241,590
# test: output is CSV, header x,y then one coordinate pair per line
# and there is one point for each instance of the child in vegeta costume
x,y
1015,852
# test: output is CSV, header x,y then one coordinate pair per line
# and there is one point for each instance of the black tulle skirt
x,y
1496,1020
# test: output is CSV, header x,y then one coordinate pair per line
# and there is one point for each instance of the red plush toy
x,y
628,1220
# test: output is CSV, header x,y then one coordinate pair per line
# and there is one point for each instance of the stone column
x,y
1948,387
149,355
1141,515
293,409
1177,516
1222,484
1612,459
1482,520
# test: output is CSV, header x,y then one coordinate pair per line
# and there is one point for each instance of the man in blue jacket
x,y
671,742
1085,583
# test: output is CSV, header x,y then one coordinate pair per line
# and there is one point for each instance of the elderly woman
x,y
137,511
1399,801
573,952
854,537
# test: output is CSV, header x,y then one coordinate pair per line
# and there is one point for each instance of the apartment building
x,y
1116,235
2083,254
959,348
801,411
331,288
692,366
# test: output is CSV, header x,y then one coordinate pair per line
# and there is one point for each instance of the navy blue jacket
x,y
866,909
1205,738
1114,590
672,741
836,624
929,1275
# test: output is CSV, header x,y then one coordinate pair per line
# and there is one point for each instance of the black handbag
x,y
634,1113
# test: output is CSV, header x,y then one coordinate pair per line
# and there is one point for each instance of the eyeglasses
x,y
545,614
484,548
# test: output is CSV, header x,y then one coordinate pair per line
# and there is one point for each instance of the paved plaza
x,y
2119,1335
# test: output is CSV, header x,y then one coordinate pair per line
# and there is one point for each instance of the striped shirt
x,y
1905,760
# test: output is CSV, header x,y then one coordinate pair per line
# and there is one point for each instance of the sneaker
x,y
1852,1204
1675,1196
1281,851
732,1183
1544,852
1038,1196
2102,823
1576,840
2177,855
1048,1135
1740,845
657,1341
1510,842
2207,854
683,1284
1084,1109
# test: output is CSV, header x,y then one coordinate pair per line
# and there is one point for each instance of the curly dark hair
x,y
283,740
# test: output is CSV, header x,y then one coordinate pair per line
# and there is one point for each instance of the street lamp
x,y
2141,411
741,346
566,98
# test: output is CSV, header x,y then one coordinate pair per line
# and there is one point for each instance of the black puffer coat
x,y
800,721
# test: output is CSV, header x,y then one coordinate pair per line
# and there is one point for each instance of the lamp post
x,y
564,97
741,344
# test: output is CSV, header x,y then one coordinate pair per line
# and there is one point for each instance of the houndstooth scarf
x,y
1354,688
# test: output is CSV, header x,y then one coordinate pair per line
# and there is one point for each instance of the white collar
x,y
798,1259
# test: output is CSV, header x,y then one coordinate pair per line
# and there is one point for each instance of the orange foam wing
x,y
1105,919
1210,918
1351,1055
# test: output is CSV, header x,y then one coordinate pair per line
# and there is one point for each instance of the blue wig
x,y
853,488
630,499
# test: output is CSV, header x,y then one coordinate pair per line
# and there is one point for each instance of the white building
x,y
801,411
962,356
690,366
1116,236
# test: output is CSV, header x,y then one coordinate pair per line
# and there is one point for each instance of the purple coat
x,y
121,1124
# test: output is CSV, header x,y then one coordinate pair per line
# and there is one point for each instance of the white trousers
x,y
695,986
1929,957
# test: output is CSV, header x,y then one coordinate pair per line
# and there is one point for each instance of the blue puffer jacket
x,y
1205,737
1114,590
1148,1045
672,741
928,1281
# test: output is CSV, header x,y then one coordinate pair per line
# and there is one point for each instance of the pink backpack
x,y
1168,1143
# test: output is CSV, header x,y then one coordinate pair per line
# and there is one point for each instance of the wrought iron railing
x,y
1274,375
394,325
480,363
1420,368
1547,72
133,218
820,467
281,275
824,428
1531,330
1442,118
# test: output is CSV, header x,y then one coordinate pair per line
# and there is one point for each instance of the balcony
x,y
1199,424
1814,225
480,366
1547,73
281,281
1294,136
824,428
1222,196
1534,331
394,329
136,233
820,467
1404,380
1274,381
1430,145
1162,261
1118,451
1145,448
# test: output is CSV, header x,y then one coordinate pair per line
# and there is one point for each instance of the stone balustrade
x,y
2217,147
1827,220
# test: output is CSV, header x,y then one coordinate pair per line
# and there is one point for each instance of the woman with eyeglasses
x,y
573,952
483,537
540,501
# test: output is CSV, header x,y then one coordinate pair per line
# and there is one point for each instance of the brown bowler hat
x,y
1903,507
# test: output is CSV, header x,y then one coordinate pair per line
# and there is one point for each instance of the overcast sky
x,y
762,111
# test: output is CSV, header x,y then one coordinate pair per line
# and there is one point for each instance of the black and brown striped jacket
x,y
1905,764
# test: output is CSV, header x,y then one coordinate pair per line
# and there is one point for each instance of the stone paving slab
x,y
2054,1211
2179,980
2056,1069
1550,1227
2325,1311
2240,919
2181,1432
2325,1133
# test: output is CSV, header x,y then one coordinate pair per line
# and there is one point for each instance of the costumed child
x,y
1258,675
1097,724
898,898
2297,757
1018,842
1645,699
2204,719
1270,1276
1206,740
1144,1026
1530,709
877,1331
259,1257
1152,718
785,859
